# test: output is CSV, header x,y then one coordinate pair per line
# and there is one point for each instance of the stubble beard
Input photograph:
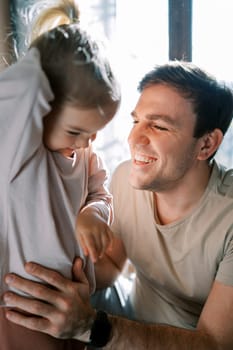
x,y
163,182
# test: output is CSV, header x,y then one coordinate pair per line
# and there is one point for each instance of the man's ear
x,y
209,144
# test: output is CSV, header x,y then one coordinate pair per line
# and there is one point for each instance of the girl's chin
x,y
67,152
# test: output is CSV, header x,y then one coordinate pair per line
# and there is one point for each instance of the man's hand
x,y
61,308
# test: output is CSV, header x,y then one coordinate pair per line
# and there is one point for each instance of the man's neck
x,y
175,203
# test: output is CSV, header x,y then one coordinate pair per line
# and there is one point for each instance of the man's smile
x,y
140,158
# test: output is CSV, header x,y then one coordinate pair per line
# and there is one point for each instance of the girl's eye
x,y
74,133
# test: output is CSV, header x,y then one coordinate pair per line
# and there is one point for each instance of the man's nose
x,y
138,136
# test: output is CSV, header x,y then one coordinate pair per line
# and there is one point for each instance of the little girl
x,y
52,103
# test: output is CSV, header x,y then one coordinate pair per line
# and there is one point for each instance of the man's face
x,y
161,141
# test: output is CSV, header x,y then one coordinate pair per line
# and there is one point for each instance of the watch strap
x,y
100,330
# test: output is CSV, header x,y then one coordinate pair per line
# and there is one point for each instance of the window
x,y
212,38
139,35
138,39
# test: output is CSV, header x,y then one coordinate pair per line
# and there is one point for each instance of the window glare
x,y
138,39
212,39
212,36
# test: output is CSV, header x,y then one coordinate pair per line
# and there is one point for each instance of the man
x,y
174,222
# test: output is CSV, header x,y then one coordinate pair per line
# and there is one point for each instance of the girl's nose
x,y
82,143
85,141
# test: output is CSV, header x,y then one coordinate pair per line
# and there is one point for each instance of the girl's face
x,y
73,127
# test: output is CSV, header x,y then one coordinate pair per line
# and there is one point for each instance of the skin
x,y
163,149
67,313
166,158
65,131
157,152
93,233
71,128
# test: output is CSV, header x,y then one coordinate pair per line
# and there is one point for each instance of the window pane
x,y
212,41
137,32
138,35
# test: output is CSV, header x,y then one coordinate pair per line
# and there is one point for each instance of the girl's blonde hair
x,y
63,12
76,65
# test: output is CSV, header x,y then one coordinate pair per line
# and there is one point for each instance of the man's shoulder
x,y
224,180
122,169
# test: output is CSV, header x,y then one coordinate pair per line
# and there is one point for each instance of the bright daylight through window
x,y
137,35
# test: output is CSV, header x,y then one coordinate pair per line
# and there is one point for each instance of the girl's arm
x,y
99,196
24,96
92,226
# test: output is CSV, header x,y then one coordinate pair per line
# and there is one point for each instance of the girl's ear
x,y
209,144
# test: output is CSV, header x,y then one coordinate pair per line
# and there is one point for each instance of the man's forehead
x,y
154,117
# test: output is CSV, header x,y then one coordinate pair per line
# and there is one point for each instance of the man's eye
x,y
160,127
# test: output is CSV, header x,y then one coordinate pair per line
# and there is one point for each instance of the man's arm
x,y
132,335
65,312
214,330
217,316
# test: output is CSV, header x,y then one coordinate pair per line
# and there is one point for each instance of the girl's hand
x,y
93,233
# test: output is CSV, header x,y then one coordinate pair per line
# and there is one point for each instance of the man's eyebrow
x,y
162,117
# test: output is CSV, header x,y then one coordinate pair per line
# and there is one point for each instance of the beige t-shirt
x,y
177,263
41,191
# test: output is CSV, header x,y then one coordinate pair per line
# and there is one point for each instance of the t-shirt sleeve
x,y
24,100
225,270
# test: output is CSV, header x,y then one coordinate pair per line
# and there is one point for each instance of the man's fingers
x,y
32,288
27,304
51,277
78,272
33,323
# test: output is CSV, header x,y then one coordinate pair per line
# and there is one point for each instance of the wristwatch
x,y
99,334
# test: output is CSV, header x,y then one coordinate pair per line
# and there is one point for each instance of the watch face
x,y
85,337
